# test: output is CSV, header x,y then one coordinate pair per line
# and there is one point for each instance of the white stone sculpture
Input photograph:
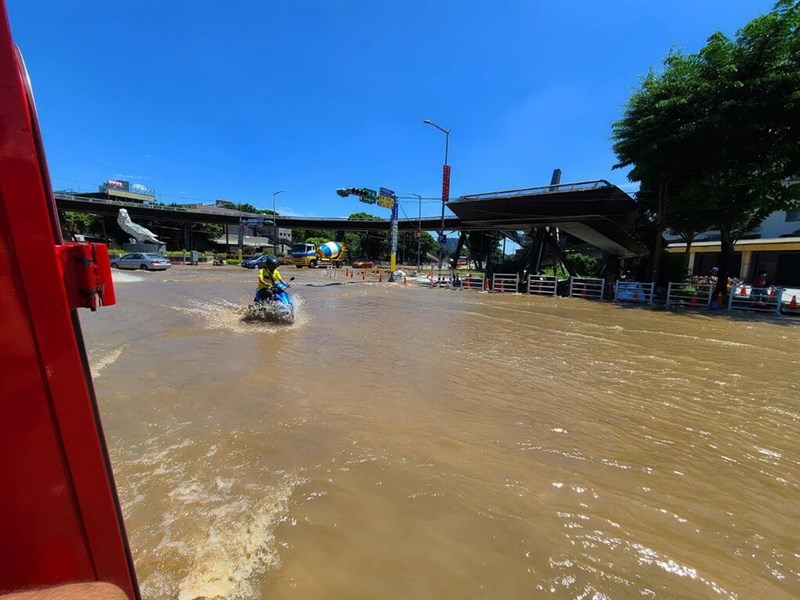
x,y
142,235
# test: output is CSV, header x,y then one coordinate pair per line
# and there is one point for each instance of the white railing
x,y
440,278
472,282
790,305
505,282
635,292
542,284
586,287
766,300
689,295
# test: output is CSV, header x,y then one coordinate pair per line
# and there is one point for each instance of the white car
x,y
141,260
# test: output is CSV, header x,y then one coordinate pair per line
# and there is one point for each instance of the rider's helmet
x,y
268,262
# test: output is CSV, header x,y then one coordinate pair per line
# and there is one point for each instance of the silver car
x,y
140,260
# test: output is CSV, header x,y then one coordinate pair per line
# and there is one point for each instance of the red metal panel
x,y
445,183
59,515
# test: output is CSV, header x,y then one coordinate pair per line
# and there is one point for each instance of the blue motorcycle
x,y
274,304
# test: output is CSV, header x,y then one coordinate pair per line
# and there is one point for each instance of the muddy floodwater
x,y
403,442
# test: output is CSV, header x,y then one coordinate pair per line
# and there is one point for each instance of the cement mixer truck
x,y
311,256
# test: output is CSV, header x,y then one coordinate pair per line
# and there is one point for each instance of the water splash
x,y
215,536
101,361
221,314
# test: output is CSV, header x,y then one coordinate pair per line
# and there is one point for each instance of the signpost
x,y
385,198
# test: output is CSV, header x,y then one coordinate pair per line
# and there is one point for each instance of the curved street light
x,y
444,176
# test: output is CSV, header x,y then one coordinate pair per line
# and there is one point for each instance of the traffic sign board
x,y
446,183
369,197
386,198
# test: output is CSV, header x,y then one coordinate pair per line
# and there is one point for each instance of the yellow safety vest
x,y
273,277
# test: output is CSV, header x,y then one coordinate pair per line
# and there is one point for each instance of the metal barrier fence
x,y
505,282
689,295
634,291
586,287
542,284
789,303
755,299
473,282
440,278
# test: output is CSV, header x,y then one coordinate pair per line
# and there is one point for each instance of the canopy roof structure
x,y
597,212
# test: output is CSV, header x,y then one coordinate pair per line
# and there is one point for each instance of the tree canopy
x,y
714,137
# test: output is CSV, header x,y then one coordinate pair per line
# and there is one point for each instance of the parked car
x,y
140,260
362,263
250,263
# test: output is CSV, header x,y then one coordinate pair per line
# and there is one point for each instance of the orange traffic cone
x,y
793,303
405,280
485,284
743,291
772,292
693,301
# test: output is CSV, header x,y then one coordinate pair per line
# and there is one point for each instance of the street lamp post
x,y
419,230
445,179
274,222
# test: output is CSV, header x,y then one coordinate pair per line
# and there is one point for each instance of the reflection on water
x,y
404,442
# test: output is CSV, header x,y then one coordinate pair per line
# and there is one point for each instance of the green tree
x,y
718,131
304,235
371,244
78,223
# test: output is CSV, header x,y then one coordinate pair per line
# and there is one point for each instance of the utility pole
x,y
445,185
419,231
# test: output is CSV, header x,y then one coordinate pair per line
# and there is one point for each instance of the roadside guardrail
x,y
505,283
634,292
544,285
689,295
589,288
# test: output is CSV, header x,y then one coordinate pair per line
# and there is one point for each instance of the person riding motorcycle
x,y
268,277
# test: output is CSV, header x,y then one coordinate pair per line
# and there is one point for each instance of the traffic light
x,y
344,192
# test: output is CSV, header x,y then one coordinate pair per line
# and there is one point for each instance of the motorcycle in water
x,y
278,308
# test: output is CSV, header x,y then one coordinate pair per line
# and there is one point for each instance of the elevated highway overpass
x,y
596,212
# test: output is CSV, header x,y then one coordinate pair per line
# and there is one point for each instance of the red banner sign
x,y
446,183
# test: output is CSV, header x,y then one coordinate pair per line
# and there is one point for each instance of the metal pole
x,y
275,223
446,150
419,230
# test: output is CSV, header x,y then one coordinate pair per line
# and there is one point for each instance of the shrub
x,y
233,261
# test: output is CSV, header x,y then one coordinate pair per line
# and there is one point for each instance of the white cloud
x,y
127,176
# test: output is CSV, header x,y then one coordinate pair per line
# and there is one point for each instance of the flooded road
x,y
403,442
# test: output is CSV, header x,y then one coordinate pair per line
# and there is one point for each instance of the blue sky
x,y
234,100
